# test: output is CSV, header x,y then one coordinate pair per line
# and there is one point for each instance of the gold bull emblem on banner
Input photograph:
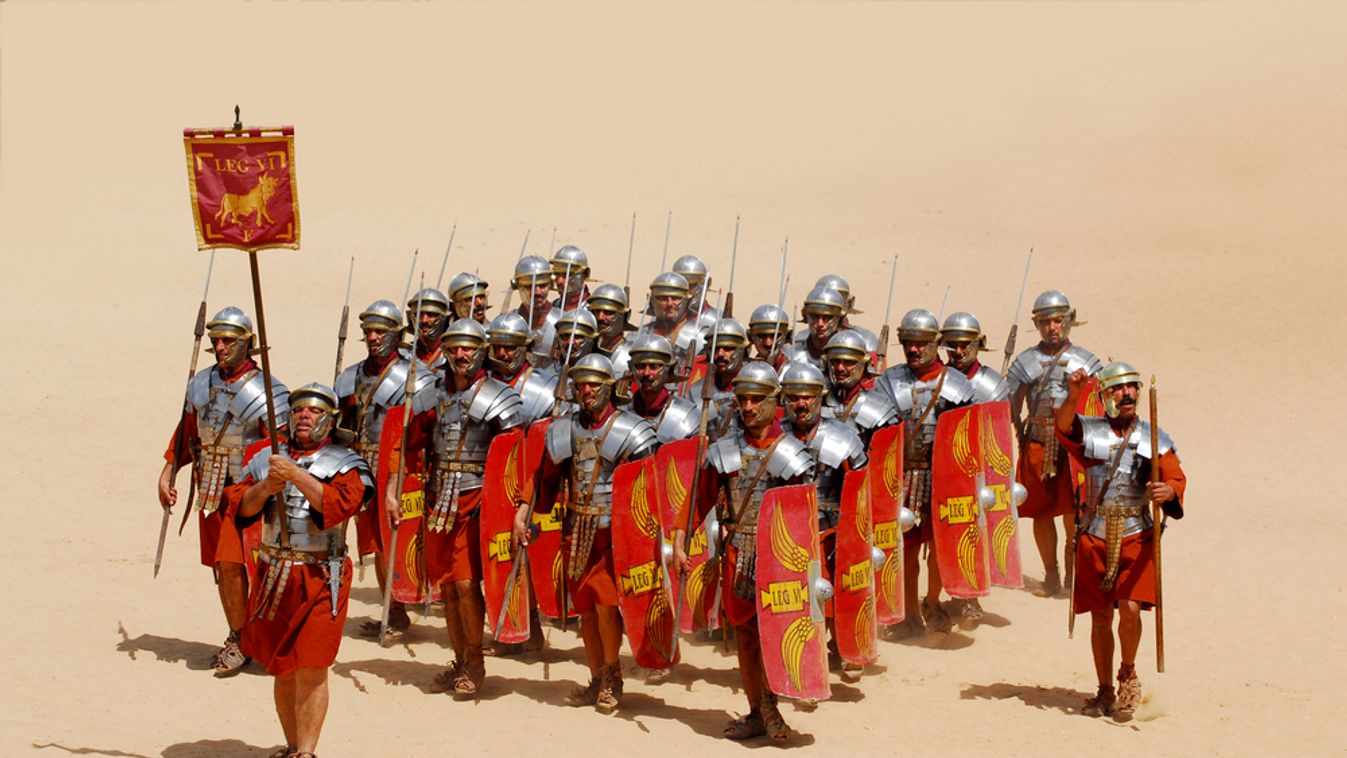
x,y
237,208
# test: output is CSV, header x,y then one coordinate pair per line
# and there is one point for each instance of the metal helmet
x,y
1051,303
825,300
693,269
593,369
572,258
610,298
804,379
670,283
962,329
1115,374
532,270
842,286
578,323
508,330
769,319
231,323
466,332
320,396
463,290
729,333
921,326
758,379
381,315
652,349
850,346
433,303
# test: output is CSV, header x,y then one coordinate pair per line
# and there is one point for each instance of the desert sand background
x,y
1177,167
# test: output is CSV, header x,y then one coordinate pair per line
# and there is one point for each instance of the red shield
x,y
243,189
996,444
854,574
252,534
638,560
504,583
790,604
544,559
409,564
960,541
675,464
885,487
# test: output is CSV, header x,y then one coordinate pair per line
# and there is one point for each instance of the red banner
x,y
243,189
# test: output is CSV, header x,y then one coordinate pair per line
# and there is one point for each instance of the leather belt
x,y
273,554
462,468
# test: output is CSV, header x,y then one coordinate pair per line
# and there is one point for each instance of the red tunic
x,y
221,540
1136,565
303,631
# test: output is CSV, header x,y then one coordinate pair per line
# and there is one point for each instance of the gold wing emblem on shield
x,y
865,624
963,450
793,642
640,507
863,525
991,449
695,590
1001,537
674,489
656,630
787,551
512,488
893,482
414,562
888,579
966,549
515,606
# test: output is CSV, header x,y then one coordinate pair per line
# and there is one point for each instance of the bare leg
x,y
1045,537
283,691
751,670
933,581
453,621
610,629
471,608
1129,631
310,706
1101,644
911,570
233,589
591,636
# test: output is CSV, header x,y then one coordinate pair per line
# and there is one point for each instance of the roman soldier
x,y
365,392
508,341
533,280
755,456
769,332
582,451
841,285
469,295
731,341
694,270
299,599
1115,557
836,449
962,337
452,430
669,296
428,333
851,398
672,417
824,308
1037,389
570,271
225,411
921,389
612,314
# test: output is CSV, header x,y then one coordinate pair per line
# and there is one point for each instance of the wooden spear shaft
x,y
1157,529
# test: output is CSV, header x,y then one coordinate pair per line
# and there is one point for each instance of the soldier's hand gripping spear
x,y
690,519
1015,322
395,514
345,319
883,350
169,497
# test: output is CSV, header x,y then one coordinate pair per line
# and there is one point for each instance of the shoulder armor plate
x,y
679,421
1026,369
873,410
989,386
558,440
427,398
497,401
629,438
345,384
1078,357
835,443
250,404
724,455
956,389
790,459
198,389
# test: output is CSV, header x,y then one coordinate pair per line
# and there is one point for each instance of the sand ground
x,y
1177,167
